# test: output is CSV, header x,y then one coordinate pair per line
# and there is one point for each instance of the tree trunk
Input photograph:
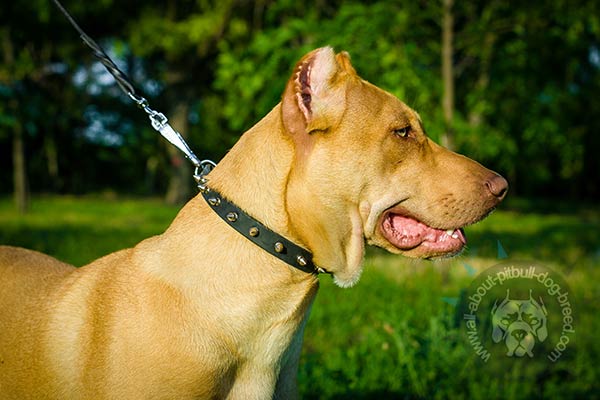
x,y
21,194
52,161
20,185
180,181
483,81
447,138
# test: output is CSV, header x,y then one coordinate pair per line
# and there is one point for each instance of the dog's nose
x,y
519,334
497,185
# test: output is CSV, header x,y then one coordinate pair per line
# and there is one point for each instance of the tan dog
x,y
200,311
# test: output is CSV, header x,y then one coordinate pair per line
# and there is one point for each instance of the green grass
x,y
393,335
78,230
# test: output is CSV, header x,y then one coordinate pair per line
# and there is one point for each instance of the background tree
x,y
525,81
447,138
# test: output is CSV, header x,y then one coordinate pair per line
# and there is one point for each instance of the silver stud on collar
x,y
279,247
232,217
302,261
253,231
214,201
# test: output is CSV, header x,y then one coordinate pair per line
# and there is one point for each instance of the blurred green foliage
x,y
527,77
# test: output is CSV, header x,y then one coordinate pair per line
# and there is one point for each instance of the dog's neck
x,y
254,177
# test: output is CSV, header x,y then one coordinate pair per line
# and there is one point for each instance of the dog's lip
x,y
405,231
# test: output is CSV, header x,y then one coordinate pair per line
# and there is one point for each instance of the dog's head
x,y
519,323
365,170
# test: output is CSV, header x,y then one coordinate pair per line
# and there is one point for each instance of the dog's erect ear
x,y
542,331
497,332
314,96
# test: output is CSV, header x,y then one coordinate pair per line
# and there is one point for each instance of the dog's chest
x,y
269,367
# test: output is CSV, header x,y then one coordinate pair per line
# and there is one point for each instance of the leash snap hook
x,y
200,173
158,120
139,100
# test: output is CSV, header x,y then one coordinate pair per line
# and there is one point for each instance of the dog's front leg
x,y
287,382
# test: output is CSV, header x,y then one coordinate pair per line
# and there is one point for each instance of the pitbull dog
x,y
200,311
519,323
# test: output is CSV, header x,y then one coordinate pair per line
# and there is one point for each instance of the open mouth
x,y
407,233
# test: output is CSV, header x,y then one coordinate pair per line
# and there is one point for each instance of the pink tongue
x,y
407,233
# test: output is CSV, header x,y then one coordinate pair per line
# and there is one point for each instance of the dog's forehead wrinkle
x,y
529,308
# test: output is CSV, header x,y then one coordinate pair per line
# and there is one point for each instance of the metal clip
x,y
161,124
158,120
139,100
200,173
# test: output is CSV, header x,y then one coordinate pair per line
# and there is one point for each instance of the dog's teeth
x,y
449,232
455,235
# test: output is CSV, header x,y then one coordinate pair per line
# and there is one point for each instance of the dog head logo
x,y
519,323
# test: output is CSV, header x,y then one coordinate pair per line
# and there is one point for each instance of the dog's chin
x,y
400,233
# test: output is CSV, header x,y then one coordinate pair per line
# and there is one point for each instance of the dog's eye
x,y
402,132
530,319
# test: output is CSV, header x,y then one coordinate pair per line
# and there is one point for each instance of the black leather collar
x,y
259,234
